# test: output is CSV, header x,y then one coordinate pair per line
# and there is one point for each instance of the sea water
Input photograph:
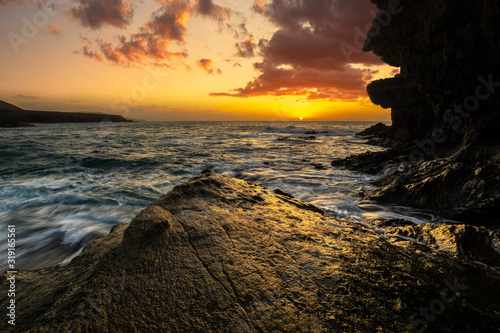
x,y
64,185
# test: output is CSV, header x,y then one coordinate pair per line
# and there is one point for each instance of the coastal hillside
x,y
218,254
12,116
8,106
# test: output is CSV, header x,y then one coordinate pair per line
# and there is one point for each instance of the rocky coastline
x,y
218,254
444,147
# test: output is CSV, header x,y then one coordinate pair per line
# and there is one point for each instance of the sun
x,y
301,118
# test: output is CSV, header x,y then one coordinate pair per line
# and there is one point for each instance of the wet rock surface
x,y
478,244
219,254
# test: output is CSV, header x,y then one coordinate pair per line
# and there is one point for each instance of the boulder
x,y
218,254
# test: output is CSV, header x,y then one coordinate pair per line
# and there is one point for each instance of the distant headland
x,y
13,116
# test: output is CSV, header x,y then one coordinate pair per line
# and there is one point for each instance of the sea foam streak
x,y
65,185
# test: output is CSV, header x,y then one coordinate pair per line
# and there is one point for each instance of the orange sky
x,y
191,59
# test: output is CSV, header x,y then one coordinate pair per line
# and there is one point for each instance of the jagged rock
x,y
381,135
471,242
442,50
448,55
219,254
469,192
375,130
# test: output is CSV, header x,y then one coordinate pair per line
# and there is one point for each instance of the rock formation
x,y
445,107
450,74
219,254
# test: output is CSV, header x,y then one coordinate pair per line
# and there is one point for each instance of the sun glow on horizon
x,y
188,68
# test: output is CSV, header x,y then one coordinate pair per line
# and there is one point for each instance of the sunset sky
x,y
191,59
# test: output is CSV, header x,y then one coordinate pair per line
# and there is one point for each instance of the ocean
x,y
64,185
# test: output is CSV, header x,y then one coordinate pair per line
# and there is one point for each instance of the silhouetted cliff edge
x,y
12,116
445,107
218,254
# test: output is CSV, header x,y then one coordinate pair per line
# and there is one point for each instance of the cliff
x,y
450,74
219,254
445,107
12,116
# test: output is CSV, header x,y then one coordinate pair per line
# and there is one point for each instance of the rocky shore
x,y
445,104
219,254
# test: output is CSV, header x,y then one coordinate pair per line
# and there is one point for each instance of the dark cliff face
x,y
449,86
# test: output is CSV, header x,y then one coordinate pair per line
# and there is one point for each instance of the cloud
x,y
150,45
26,96
5,3
304,56
97,13
209,9
88,52
313,83
206,65
246,48
259,6
54,30
169,22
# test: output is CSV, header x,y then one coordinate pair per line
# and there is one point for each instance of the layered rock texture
x,y
445,106
219,254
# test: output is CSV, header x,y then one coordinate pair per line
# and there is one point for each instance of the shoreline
x,y
454,188
233,255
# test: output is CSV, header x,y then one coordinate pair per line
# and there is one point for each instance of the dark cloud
x,y
97,13
206,65
305,55
88,52
246,48
314,83
208,8
169,22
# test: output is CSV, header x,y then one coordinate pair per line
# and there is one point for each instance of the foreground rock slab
x,y
219,254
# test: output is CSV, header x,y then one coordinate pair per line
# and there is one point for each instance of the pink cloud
x,y
150,45
54,30
304,56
